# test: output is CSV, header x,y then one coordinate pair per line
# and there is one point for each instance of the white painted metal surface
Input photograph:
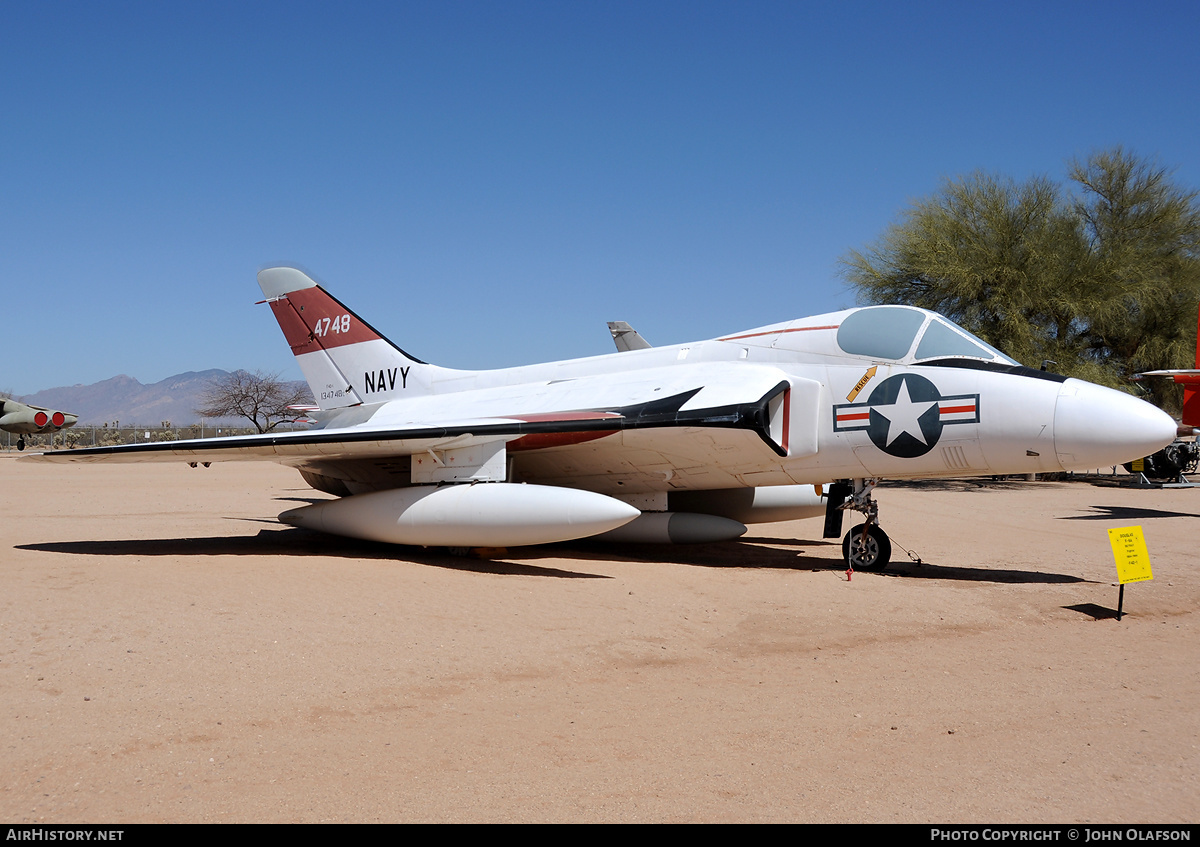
x,y
886,391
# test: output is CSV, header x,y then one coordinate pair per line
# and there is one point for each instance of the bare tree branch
x,y
260,398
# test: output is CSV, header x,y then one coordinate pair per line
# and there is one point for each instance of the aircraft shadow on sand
x,y
748,553
298,543
790,553
961,485
1127,513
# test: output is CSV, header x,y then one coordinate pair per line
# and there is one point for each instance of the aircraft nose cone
x,y
1096,427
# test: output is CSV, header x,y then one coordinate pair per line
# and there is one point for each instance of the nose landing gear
x,y
866,547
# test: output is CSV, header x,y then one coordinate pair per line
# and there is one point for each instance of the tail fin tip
x,y
280,281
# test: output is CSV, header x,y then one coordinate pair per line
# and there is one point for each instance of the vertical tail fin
x,y
345,361
1191,392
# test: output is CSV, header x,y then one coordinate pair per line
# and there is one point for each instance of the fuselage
x,y
885,391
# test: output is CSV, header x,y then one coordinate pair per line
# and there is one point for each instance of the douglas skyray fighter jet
x,y
678,443
23,419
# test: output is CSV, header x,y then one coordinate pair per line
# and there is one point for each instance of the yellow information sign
x,y
1129,549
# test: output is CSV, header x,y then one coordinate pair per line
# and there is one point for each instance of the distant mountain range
x,y
124,399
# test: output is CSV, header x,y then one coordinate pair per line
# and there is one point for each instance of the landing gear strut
x,y
866,547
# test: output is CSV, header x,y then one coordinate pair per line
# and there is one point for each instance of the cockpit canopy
x,y
892,332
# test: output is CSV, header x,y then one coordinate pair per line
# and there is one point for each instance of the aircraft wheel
x,y
870,555
20,443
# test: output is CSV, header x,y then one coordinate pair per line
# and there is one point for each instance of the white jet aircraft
x,y
677,443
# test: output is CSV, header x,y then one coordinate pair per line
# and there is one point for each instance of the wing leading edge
x,y
550,415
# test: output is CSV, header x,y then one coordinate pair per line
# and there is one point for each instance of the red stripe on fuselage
x,y
774,332
542,440
563,416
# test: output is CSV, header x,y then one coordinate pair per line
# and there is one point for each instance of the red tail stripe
x,y
311,320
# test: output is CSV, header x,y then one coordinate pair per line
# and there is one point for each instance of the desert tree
x,y
263,399
1101,276
996,256
1143,235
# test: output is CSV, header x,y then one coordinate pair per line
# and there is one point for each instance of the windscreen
x,y
888,332
943,340
881,332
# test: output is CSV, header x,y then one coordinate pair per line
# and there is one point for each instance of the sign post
x,y
1132,557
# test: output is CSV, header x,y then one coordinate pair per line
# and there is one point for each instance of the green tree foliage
x,y
1143,238
1102,277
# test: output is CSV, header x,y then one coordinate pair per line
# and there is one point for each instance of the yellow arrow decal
x,y
861,383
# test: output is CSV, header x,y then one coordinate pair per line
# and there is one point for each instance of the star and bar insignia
x,y
905,414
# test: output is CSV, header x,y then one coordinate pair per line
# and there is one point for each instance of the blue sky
x,y
488,183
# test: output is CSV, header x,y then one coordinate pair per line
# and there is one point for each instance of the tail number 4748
x,y
324,326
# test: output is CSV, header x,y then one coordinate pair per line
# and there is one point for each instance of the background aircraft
x,y
1180,457
23,419
626,337
425,455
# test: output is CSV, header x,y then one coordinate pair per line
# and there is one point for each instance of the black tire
x,y
873,555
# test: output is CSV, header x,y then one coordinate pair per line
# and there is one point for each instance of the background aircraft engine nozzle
x,y
28,420
491,514
1096,427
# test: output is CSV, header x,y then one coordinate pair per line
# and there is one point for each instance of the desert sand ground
x,y
169,652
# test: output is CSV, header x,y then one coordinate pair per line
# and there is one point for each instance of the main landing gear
x,y
866,547
20,442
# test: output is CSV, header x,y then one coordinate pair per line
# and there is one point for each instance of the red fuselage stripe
x,y
774,332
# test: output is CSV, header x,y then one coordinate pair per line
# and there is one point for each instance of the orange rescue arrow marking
x,y
861,383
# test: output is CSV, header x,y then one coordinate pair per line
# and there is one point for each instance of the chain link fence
x,y
106,435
